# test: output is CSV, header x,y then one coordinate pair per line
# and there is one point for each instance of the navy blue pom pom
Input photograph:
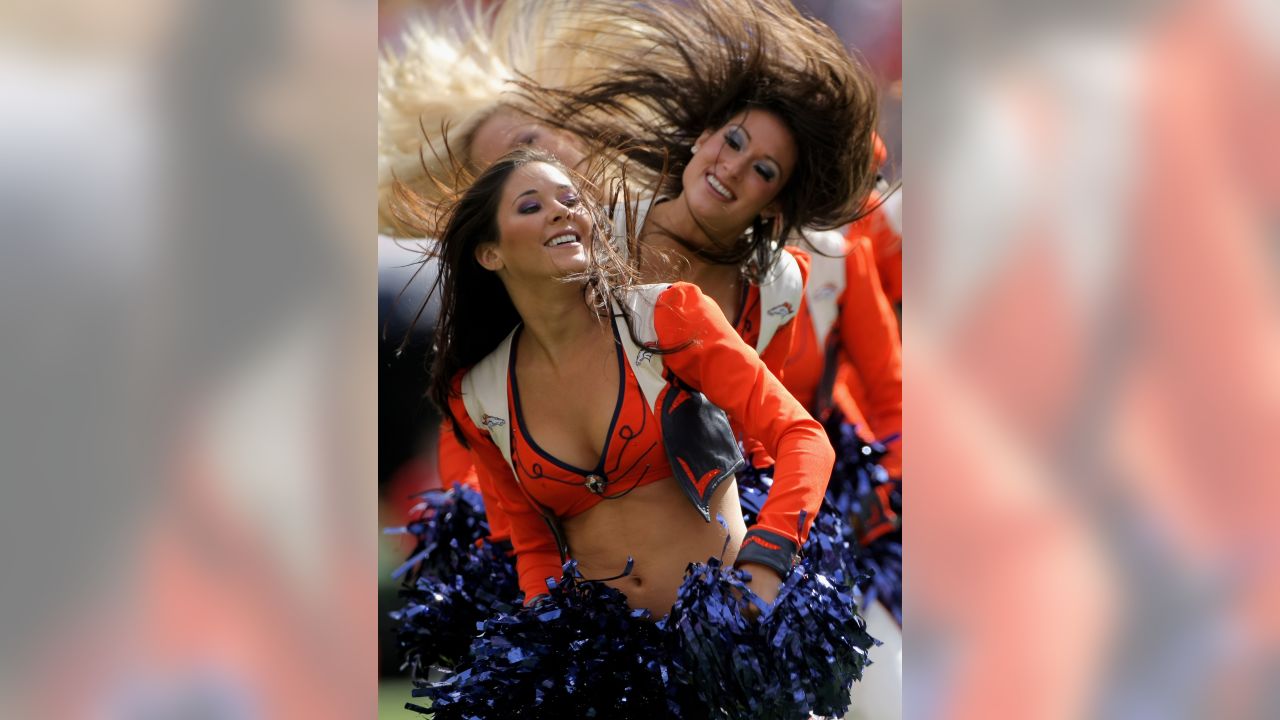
x,y
441,615
578,653
801,656
870,504
819,644
454,580
830,550
880,565
448,522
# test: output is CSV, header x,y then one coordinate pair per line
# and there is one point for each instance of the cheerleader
x,y
598,416
744,139
764,131
448,107
759,127
446,110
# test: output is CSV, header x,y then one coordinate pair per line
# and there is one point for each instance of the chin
x,y
714,219
570,267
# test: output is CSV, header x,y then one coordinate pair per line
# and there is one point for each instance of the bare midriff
x,y
660,529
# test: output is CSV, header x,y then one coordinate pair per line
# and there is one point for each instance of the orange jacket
x,y
715,361
882,227
868,385
455,465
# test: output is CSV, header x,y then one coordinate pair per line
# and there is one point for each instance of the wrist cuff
x,y
769,549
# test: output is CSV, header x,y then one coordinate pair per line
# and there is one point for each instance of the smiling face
x,y
507,129
543,226
738,172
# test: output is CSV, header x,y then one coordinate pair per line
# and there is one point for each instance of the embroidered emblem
x,y
782,310
492,422
826,292
763,543
595,484
643,356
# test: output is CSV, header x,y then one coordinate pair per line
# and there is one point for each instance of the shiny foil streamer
x,y
578,653
864,496
582,653
453,580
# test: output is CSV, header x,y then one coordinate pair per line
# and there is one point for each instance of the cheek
x,y
515,234
692,171
763,192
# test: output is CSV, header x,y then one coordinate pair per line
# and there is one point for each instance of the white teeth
x,y
719,187
564,239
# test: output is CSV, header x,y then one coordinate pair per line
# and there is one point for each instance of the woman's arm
x,y
457,467
869,338
725,369
537,555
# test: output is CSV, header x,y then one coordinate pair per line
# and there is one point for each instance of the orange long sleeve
x,y
537,555
870,342
732,376
456,467
886,246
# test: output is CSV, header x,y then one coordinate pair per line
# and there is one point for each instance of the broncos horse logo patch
x,y
782,310
826,292
492,422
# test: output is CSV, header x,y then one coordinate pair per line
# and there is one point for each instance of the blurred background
x,y
189,528
191,426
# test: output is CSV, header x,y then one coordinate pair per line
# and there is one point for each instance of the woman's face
x,y
507,128
738,171
543,227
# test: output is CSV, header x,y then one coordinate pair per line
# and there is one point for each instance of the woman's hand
x,y
764,582
536,600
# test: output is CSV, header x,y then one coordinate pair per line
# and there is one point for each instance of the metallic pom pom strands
x,y
580,652
441,615
454,579
870,503
838,546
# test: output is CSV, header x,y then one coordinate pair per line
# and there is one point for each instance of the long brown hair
x,y
476,311
708,60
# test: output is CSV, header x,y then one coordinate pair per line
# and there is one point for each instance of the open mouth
x,y
718,188
567,237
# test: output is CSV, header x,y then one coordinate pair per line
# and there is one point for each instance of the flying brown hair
x,y
705,61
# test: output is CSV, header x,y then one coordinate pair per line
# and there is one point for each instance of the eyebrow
x,y
532,191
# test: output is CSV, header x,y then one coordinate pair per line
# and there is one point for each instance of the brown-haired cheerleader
x,y
598,415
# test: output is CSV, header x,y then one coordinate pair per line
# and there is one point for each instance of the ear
x,y
704,137
488,256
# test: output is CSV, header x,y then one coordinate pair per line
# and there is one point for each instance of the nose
x,y
558,211
733,166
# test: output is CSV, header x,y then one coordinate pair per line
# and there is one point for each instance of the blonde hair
x,y
454,70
